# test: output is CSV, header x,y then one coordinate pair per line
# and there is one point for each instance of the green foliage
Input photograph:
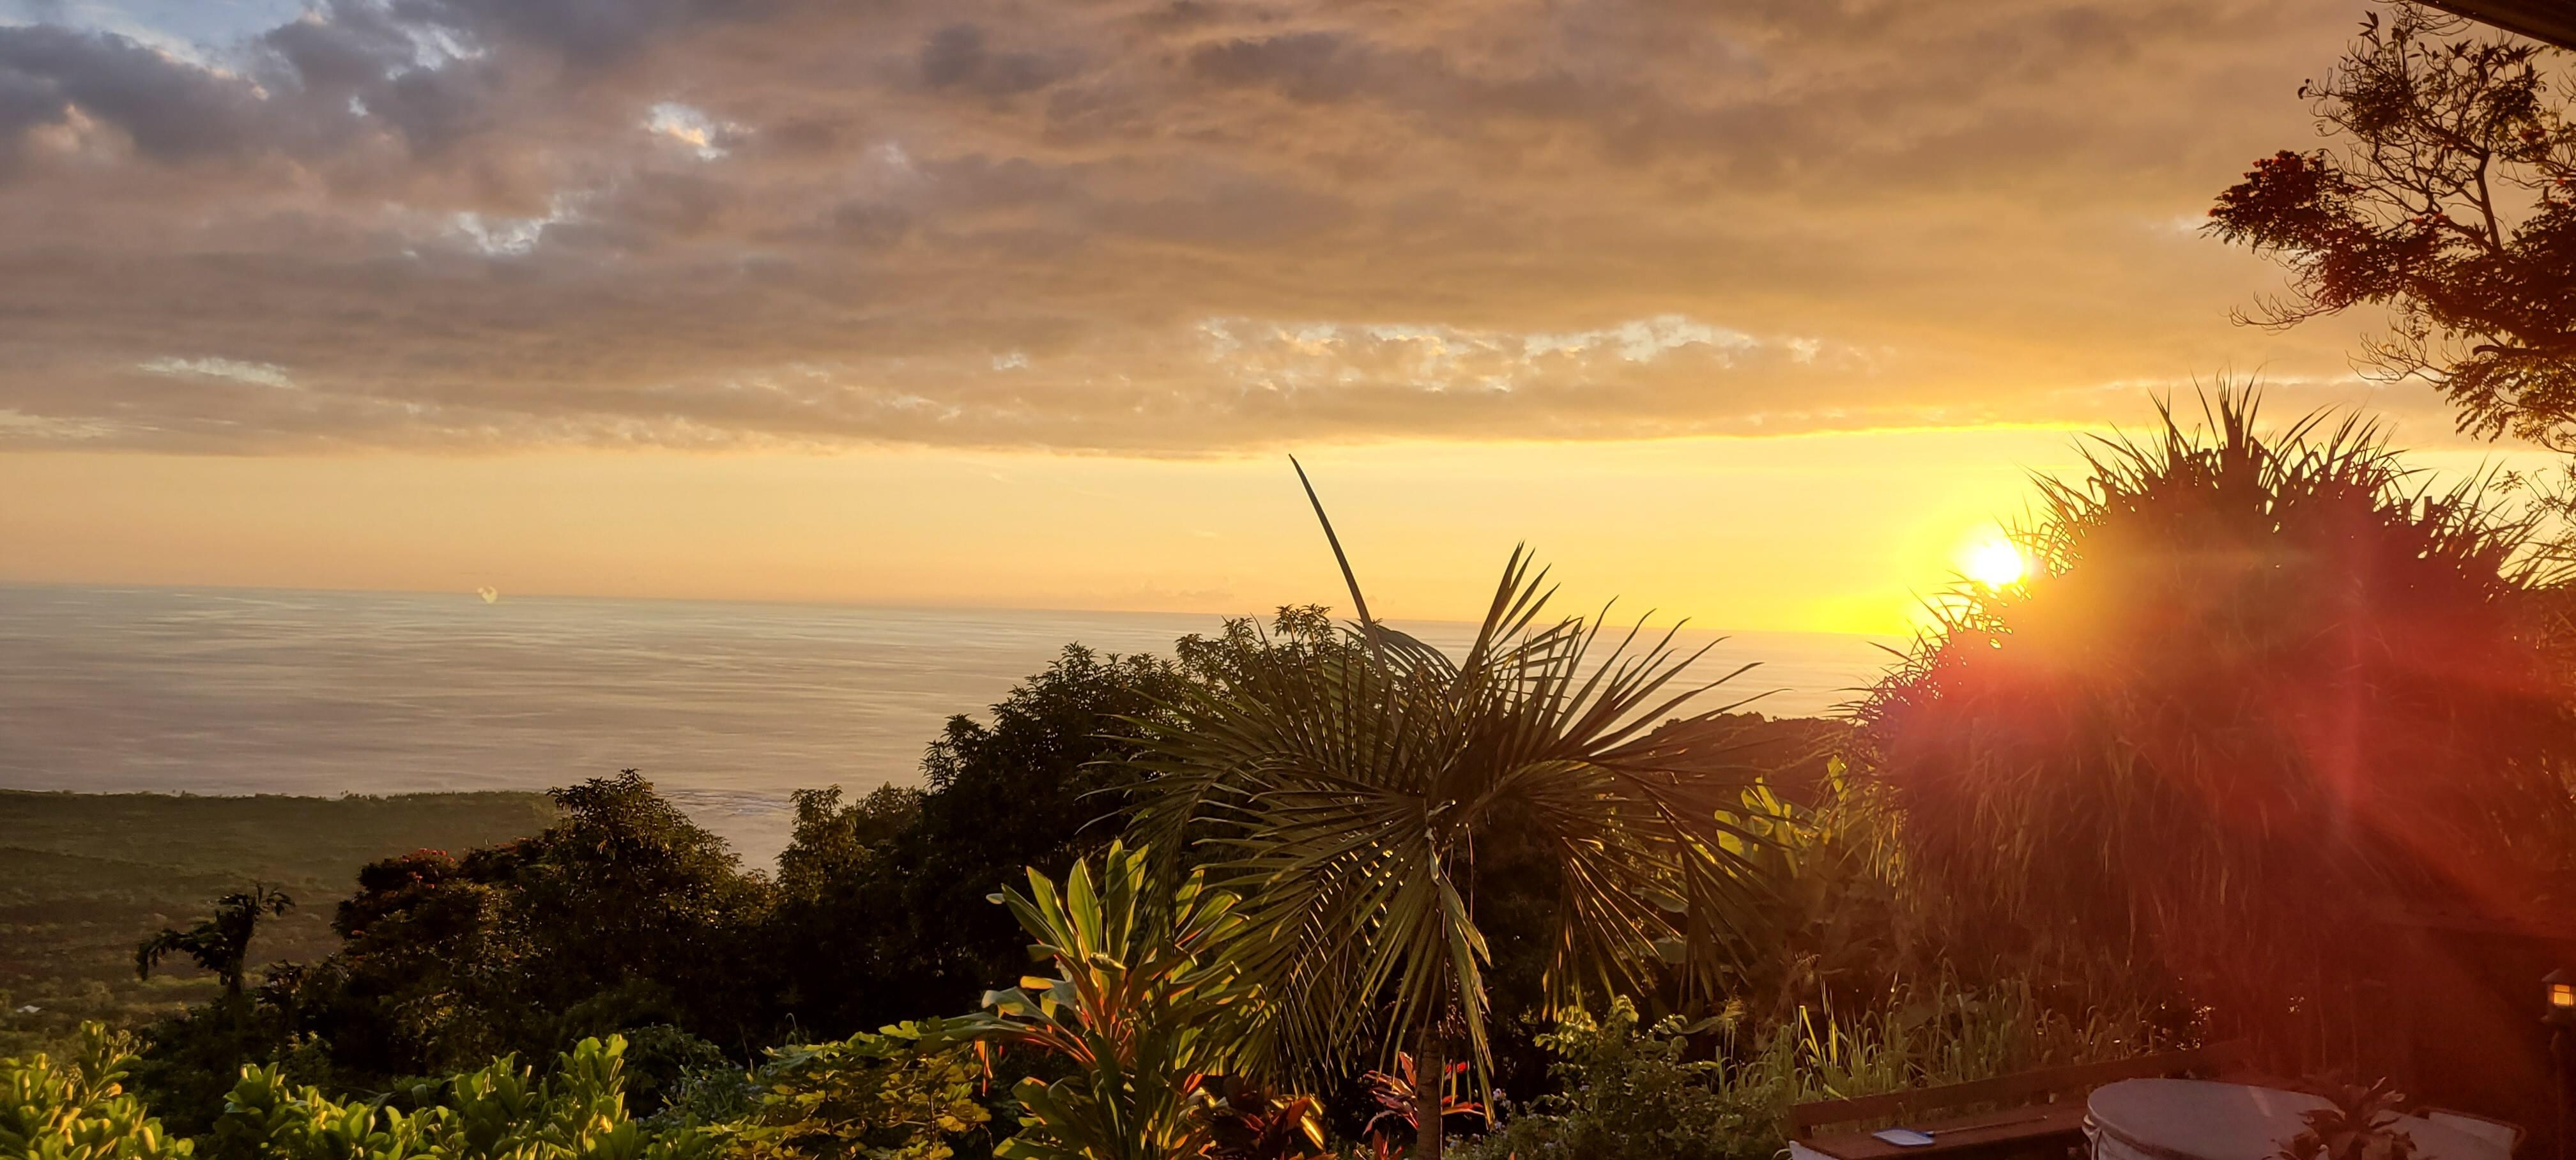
x,y
1720,1088
621,914
189,1061
880,911
659,1058
904,1093
2264,678
1345,791
78,1108
1631,1096
499,1112
1140,1012
1589,847
82,876
833,843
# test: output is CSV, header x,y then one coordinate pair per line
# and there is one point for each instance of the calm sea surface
x,y
725,706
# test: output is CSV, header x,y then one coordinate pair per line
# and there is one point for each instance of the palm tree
x,y
1345,788
221,943
2257,687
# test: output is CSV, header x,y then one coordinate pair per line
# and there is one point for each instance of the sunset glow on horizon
x,y
1472,534
1751,315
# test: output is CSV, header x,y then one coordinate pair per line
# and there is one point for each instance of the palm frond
x,y
1339,792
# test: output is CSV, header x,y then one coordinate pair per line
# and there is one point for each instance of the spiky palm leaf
x,y
1345,789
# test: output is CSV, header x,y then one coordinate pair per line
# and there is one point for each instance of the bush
x,y
1631,1095
1142,1014
78,1108
1628,1094
2260,686
659,1058
497,1112
907,1092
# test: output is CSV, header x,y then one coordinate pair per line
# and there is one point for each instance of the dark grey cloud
x,y
1131,225
956,56
170,110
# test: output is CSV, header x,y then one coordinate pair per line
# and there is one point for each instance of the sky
x,y
1758,311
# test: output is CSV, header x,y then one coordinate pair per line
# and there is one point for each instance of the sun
x,y
1993,562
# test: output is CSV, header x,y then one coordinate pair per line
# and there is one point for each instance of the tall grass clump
x,y
2257,689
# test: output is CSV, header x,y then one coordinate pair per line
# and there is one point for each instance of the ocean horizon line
x,y
1685,624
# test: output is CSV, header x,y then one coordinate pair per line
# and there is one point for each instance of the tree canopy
x,y
2448,197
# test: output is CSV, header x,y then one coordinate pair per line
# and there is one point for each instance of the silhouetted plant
x,y
2256,687
2359,1122
221,943
2412,211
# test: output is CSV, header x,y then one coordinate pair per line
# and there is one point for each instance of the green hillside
x,y
83,877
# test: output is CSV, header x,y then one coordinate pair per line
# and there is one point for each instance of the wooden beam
x,y
2553,21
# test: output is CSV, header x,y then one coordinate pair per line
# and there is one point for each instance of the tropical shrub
x,y
499,1112
77,1108
1345,790
879,913
659,1059
1401,1093
1720,1088
1627,1094
2358,1123
1832,915
2257,687
1141,1012
1249,1121
904,1093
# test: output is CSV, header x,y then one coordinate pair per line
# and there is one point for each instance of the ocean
x,y
726,706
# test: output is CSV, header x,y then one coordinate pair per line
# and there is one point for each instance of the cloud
x,y
1135,226
170,109
703,135
263,374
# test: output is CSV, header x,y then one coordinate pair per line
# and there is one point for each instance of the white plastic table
x,y
2191,1119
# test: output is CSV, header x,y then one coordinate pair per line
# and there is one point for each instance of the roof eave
x,y
2552,21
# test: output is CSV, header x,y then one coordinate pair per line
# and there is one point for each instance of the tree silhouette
x,y
221,943
2416,211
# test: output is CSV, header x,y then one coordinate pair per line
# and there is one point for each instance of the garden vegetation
x,y
1309,888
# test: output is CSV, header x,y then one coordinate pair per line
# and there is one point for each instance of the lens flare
x,y
1995,563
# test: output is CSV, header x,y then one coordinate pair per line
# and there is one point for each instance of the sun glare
x,y
1993,562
